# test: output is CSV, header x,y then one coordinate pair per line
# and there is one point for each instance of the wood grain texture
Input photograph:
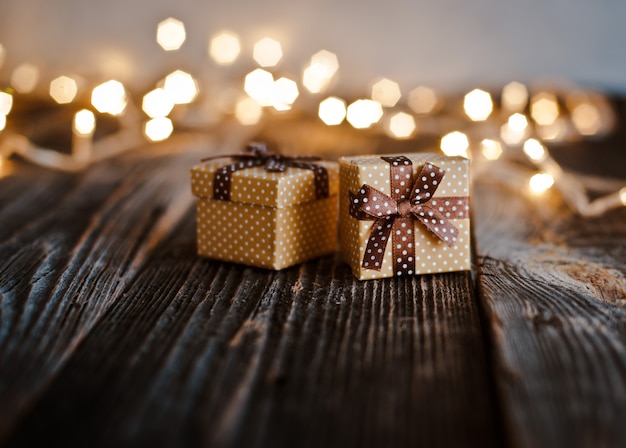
x,y
554,289
114,332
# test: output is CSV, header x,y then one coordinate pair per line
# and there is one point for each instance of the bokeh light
x,y
84,122
386,92
540,182
363,113
478,105
171,34
544,108
622,195
586,118
315,78
284,93
455,143
225,47
317,75
534,149
24,78
332,111
259,85
158,129
157,103
3,124
63,89
518,123
514,97
248,112
181,87
515,130
490,149
326,59
109,97
402,125
423,100
267,52
6,103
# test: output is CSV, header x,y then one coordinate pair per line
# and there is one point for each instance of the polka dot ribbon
x,y
258,155
394,215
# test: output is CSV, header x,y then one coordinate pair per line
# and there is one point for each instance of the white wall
x,y
450,44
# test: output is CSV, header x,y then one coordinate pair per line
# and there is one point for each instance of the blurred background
x,y
451,45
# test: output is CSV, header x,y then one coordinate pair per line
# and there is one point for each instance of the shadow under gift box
x,y
272,220
432,255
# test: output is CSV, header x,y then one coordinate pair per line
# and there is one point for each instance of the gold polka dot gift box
x,y
404,214
266,210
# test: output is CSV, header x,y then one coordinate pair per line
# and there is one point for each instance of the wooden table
x,y
113,332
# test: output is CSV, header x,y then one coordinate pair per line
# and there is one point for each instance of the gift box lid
x,y
373,170
256,185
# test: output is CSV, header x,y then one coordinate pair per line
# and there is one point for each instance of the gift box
x,y
404,214
265,210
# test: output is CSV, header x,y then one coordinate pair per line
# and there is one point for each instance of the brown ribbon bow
x,y
258,155
395,214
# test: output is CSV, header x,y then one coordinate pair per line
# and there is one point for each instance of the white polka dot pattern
x,y
280,225
431,254
257,186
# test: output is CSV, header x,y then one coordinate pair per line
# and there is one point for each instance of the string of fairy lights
x,y
494,134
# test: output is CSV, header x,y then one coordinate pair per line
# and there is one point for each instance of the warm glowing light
x,y
84,122
402,125
518,123
540,182
267,52
225,47
158,129
556,131
317,75
622,195
259,85
491,149
455,144
544,108
423,100
25,78
248,112
363,113
478,105
326,59
534,149
386,92
284,93
586,117
332,111
109,97
171,34
6,103
3,124
63,89
157,103
315,78
514,96
181,87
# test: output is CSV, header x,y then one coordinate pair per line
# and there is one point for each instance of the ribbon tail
x,y
403,251
436,223
377,243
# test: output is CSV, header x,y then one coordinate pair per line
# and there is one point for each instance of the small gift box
x,y
404,214
266,210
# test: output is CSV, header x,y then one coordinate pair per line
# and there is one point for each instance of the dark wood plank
x,y
69,246
130,339
554,289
